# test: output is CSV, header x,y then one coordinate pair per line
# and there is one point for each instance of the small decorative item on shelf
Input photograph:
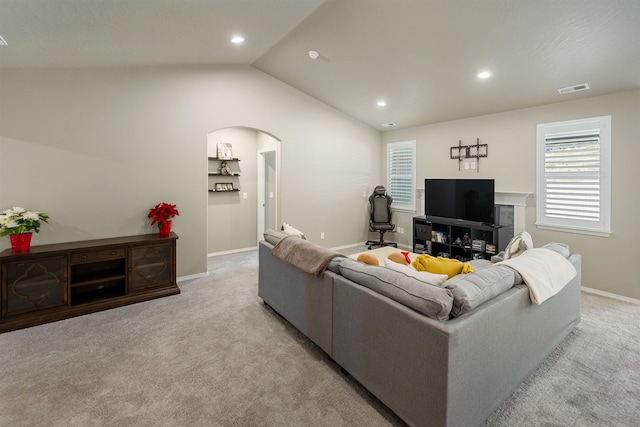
x,y
163,214
225,151
478,245
224,169
20,224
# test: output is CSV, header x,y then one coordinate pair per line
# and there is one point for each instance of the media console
x,y
458,238
58,281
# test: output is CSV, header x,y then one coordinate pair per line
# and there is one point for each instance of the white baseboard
x,y
191,277
233,251
610,295
353,245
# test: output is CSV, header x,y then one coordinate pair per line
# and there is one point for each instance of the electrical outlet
x,y
401,230
322,236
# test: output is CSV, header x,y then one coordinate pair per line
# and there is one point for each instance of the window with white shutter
x,y
401,174
574,170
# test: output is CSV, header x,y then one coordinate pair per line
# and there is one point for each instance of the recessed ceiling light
x,y
388,125
485,74
381,104
237,39
313,54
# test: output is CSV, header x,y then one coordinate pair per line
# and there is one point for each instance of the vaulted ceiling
x,y
421,57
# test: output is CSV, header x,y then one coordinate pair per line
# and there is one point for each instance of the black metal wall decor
x,y
462,152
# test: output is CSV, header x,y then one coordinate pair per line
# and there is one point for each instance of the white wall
x,y
609,264
96,148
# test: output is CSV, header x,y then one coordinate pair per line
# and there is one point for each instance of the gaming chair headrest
x,y
379,191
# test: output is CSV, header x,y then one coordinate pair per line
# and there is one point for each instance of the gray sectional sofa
x,y
450,372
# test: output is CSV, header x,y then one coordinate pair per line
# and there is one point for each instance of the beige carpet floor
x,y
216,356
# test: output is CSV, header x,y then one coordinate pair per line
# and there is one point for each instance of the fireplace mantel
x,y
519,201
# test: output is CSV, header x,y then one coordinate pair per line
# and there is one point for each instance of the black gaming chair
x,y
380,216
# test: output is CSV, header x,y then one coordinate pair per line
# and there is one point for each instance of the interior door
x,y
267,192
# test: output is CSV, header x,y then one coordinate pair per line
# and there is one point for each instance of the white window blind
x,y
573,176
401,167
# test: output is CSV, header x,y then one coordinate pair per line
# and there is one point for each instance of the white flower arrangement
x,y
19,221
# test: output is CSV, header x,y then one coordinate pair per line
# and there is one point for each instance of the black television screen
x,y
466,199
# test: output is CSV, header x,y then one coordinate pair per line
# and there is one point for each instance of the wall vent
x,y
576,88
388,125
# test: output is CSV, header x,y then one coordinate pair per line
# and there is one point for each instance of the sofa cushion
x,y
423,276
471,290
432,301
274,236
561,248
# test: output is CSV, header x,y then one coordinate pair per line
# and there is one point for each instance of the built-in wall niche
x,y
237,208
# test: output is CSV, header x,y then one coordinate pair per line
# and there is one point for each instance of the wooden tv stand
x,y
58,281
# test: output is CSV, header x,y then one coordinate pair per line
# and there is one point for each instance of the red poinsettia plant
x,y
162,212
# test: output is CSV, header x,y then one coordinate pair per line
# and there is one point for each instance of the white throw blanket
x,y
544,271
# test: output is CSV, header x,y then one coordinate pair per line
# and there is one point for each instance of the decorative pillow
x,y
423,276
432,301
520,243
273,236
401,258
471,290
368,259
440,265
292,231
561,248
498,257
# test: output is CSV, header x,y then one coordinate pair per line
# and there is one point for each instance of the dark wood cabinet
x,y
54,282
33,285
150,267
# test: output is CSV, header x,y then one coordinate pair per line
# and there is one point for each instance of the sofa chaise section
x,y
453,373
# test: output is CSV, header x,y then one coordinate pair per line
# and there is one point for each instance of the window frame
x,y
602,226
409,206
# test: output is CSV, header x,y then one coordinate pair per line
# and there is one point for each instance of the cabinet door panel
x,y
151,266
34,285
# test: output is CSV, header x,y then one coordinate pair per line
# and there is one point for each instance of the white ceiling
x,y
421,56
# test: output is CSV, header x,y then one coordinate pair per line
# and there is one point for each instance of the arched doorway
x,y
241,205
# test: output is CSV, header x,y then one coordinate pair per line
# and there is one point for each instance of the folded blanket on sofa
x,y
544,271
308,257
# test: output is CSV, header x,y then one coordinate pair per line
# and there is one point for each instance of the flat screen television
x,y
463,199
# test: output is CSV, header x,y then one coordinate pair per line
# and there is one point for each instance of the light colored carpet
x,y
216,356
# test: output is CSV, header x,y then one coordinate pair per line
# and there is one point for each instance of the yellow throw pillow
x,y
440,265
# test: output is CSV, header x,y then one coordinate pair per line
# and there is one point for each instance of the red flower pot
x,y
20,242
165,229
